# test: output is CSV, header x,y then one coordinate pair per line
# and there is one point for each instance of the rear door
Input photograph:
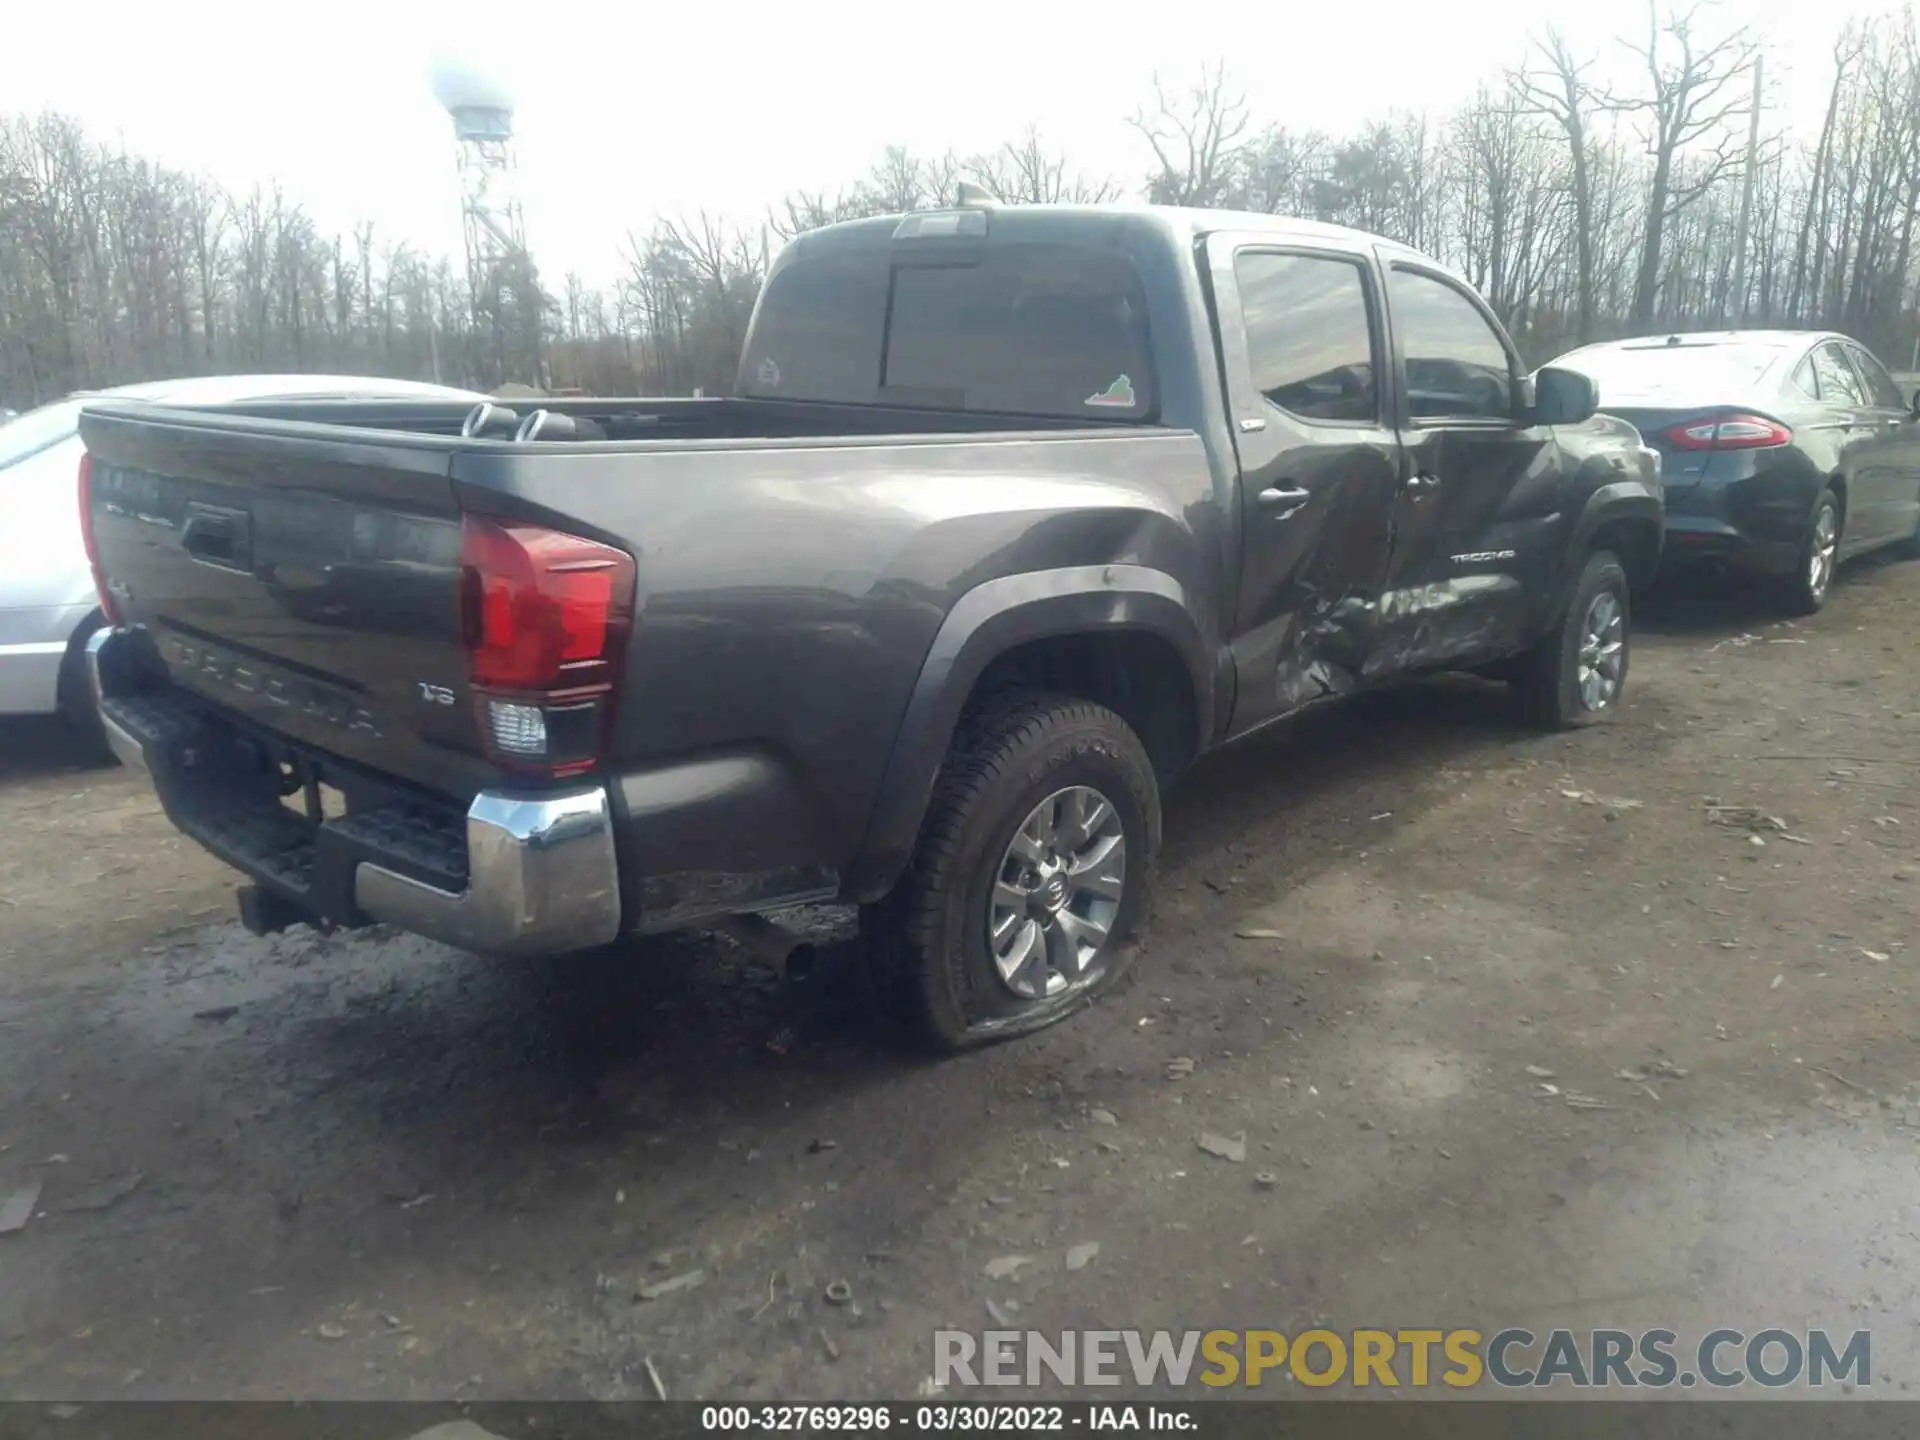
x,y
1854,430
1475,530
1304,349
1894,447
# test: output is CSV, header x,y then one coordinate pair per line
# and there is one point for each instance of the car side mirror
x,y
1563,397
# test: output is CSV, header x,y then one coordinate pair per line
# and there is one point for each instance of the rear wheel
x,y
1909,548
1812,580
1577,672
1032,868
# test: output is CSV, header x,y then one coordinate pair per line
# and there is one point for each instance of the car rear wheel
x,y
75,699
1812,580
1910,547
1033,866
1577,672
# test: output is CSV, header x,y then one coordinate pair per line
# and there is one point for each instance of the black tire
x,y
1909,548
929,943
1550,680
74,697
1806,590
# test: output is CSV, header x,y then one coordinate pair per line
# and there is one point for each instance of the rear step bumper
x,y
527,874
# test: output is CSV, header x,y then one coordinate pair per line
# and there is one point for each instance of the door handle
x,y
217,536
1275,498
1422,484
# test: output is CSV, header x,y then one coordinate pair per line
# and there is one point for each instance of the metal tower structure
x,y
501,285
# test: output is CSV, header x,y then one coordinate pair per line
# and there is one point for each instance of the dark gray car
x,y
1015,513
1785,452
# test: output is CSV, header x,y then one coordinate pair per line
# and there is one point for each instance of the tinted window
x,y
1456,365
1054,330
816,333
1838,385
1309,336
1032,329
1881,390
1803,380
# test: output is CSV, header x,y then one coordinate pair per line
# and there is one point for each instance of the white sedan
x,y
47,603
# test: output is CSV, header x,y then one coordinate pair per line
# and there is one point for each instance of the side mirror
x,y
1563,397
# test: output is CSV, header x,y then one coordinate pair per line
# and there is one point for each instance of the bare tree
x,y
1195,136
1557,87
1027,172
1581,214
1694,91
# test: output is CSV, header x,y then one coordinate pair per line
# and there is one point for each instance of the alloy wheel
x,y
1826,543
1057,894
1603,651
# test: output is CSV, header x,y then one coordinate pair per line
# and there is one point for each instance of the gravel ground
x,y
365,1165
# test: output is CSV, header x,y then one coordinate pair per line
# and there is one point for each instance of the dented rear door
x,y
1304,349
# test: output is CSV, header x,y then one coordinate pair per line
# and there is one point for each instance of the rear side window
x,y
1310,338
1457,367
1838,384
1019,329
1881,390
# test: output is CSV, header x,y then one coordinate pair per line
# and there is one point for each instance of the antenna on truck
x,y
969,196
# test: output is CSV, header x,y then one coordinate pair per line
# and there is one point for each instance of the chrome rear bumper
x,y
542,877
126,749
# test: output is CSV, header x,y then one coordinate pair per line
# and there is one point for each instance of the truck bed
x,y
304,580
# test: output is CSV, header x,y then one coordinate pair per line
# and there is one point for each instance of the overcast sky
x,y
627,111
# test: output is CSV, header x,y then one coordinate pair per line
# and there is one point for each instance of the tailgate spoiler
x,y
339,443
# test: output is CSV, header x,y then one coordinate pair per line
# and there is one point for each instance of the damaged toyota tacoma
x,y
1013,513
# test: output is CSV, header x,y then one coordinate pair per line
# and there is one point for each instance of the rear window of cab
x,y
1049,330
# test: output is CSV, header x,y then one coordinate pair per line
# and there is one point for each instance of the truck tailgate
x,y
304,577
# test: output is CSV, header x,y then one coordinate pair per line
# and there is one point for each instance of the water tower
x,y
501,285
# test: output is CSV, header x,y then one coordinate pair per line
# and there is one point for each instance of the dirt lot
x,y
365,1165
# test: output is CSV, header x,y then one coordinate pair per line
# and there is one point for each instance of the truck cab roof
x,y
1171,221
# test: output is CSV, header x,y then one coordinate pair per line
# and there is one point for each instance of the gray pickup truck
x,y
1014,513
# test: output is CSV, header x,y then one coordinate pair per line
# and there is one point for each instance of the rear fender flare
x,y
985,623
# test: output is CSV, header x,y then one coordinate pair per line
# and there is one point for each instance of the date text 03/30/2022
x,y
946,1417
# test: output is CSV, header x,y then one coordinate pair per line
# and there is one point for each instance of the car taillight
x,y
108,606
1730,432
545,618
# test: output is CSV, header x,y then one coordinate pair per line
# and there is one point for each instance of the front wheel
x,y
1033,866
1577,672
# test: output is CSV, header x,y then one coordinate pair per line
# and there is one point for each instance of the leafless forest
x,y
1583,210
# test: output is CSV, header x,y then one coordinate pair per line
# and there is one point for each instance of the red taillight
x,y
545,618
1730,432
107,605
